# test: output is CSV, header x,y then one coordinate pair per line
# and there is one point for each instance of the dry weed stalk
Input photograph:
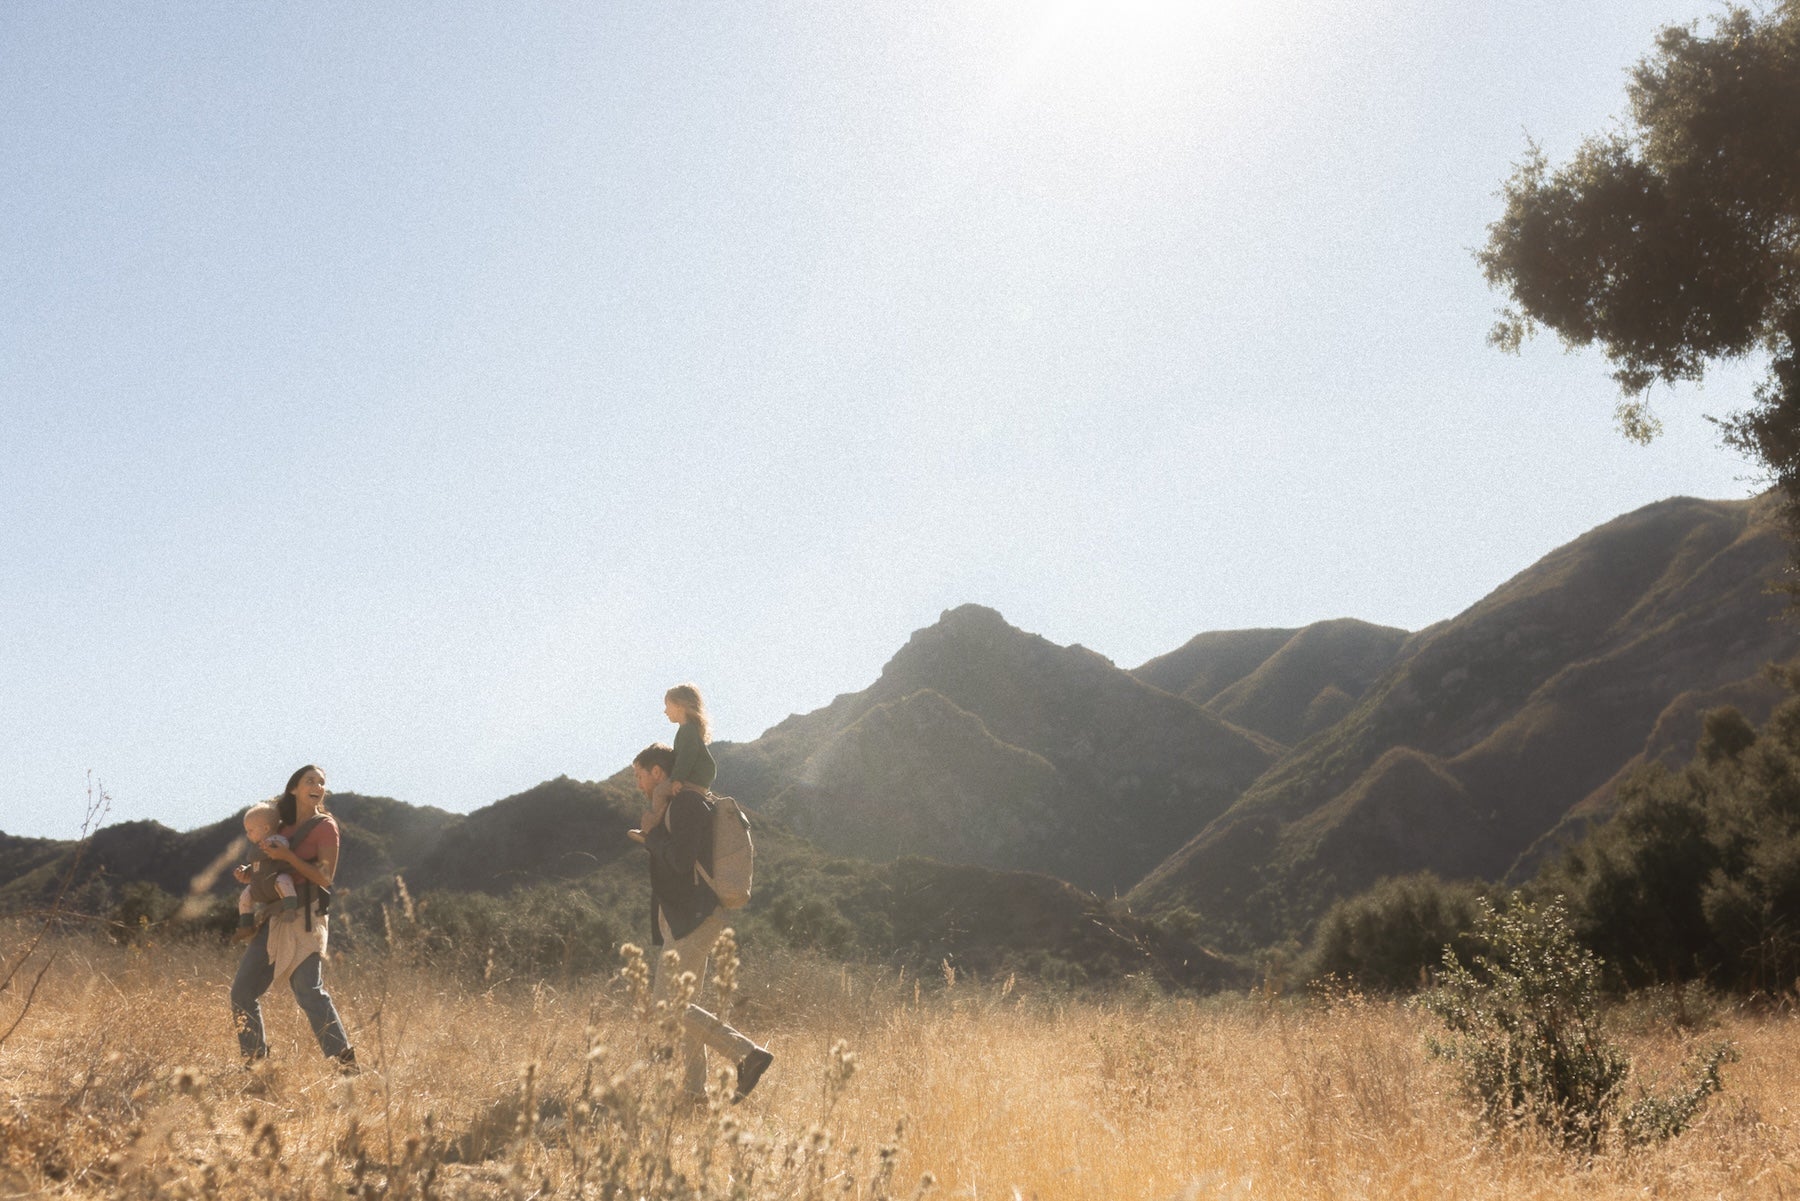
x,y
12,965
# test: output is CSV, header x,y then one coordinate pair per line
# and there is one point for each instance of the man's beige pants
x,y
699,1029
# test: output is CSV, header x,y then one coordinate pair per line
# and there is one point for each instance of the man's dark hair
x,y
657,754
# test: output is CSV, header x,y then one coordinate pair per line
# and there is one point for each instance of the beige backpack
x,y
733,854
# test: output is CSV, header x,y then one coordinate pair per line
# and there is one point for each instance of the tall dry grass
x,y
125,1082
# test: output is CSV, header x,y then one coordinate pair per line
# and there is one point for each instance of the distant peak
x,y
959,635
971,615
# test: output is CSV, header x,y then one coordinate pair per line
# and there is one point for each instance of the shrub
x,y
1652,1118
1388,938
1530,1041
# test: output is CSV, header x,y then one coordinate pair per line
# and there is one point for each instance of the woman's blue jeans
x,y
254,975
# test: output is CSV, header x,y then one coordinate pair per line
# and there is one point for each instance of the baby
x,y
268,883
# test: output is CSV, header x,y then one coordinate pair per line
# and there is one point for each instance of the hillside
x,y
981,743
561,830
1284,684
1490,728
380,835
1209,663
1670,744
564,887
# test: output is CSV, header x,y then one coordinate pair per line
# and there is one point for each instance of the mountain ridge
x,y
1248,777
1512,714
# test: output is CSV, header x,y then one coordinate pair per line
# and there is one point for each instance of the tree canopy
x,y
1673,242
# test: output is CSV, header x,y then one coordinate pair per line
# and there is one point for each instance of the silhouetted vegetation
x,y
1695,877
1673,240
1389,938
1698,874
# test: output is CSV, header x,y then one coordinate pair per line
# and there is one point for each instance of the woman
x,y
291,945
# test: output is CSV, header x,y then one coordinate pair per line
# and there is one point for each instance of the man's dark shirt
x,y
676,845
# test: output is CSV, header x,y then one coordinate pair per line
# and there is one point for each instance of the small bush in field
x,y
1527,1025
1530,1041
1652,1118
1389,938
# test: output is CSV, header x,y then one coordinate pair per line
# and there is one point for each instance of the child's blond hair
x,y
688,697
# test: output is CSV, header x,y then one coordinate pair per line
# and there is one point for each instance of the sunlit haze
x,y
421,389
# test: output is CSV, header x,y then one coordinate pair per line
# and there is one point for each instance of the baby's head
x,y
261,820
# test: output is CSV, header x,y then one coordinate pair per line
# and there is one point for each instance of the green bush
x,y
1389,938
1652,1118
1528,1036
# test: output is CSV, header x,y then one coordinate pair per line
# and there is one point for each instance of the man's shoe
x,y
750,1071
346,1062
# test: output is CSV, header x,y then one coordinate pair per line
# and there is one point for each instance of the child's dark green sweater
x,y
693,762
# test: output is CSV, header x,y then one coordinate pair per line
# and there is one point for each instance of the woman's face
x,y
311,789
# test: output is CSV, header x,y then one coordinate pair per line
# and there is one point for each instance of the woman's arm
x,y
320,873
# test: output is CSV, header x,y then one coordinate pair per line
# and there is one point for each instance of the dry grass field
x,y
123,1081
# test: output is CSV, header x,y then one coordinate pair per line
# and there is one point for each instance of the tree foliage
x,y
1389,938
1674,241
1698,873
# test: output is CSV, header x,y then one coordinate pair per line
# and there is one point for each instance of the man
x,y
685,917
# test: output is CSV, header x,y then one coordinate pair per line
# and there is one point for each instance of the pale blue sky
x,y
420,389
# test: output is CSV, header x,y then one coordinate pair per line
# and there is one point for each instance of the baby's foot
x,y
635,835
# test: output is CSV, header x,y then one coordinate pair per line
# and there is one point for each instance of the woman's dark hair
x,y
289,804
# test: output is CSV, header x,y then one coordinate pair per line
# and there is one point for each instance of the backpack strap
x,y
304,828
711,806
303,887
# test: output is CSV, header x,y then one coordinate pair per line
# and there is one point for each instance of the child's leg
x,y
659,802
246,908
284,884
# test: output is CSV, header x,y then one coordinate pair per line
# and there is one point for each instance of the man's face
x,y
646,778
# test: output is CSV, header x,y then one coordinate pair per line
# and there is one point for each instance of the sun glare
x,y
1118,47
1127,70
